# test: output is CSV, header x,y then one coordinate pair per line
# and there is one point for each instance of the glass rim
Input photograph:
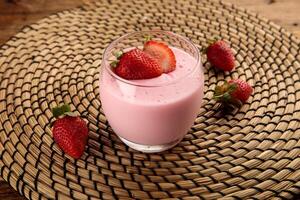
x,y
131,82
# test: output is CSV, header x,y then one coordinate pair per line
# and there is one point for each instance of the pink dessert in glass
x,y
154,114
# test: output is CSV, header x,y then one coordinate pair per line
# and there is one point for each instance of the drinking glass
x,y
153,115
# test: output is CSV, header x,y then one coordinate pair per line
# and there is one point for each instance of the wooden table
x,y
16,13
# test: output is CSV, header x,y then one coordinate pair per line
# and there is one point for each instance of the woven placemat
x,y
252,152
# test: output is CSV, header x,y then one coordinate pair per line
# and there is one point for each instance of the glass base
x,y
150,148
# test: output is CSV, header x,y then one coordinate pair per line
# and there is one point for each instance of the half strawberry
x,y
162,54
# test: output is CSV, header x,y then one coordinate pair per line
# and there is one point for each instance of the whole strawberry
x,y
220,55
234,92
136,64
69,132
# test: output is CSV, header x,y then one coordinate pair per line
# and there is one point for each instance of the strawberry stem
x,y
114,63
147,38
232,87
118,55
62,110
210,41
223,92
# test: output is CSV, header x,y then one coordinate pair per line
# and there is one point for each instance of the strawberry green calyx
x,y
118,55
114,63
223,93
210,41
147,38
63,110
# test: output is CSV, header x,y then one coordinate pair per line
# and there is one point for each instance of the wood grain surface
x,y
14,14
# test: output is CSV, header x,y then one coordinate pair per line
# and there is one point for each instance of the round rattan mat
x,y
252,152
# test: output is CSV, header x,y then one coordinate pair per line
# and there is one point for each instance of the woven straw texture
x,y
252,152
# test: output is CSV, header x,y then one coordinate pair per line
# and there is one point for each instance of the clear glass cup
x,y
153,115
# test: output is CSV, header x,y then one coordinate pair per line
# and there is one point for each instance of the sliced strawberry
x,y
136,64
162,53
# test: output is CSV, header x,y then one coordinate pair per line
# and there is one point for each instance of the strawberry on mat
x,y
70,132
234,92
220,55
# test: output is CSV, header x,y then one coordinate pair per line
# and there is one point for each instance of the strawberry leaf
x,y
118,54
61,110
218,93
147,38
223,92
71,114
232,87
216,38
114,63
226,97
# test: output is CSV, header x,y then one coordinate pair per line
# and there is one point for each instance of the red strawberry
x,y
162,53
220,55
233,92
136,64
242,91
69,132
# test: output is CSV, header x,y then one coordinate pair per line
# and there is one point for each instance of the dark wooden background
x,y
14,14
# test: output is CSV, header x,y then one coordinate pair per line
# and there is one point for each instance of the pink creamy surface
x,y
154,115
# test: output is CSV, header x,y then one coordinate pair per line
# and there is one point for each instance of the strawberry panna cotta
x,y
154,59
